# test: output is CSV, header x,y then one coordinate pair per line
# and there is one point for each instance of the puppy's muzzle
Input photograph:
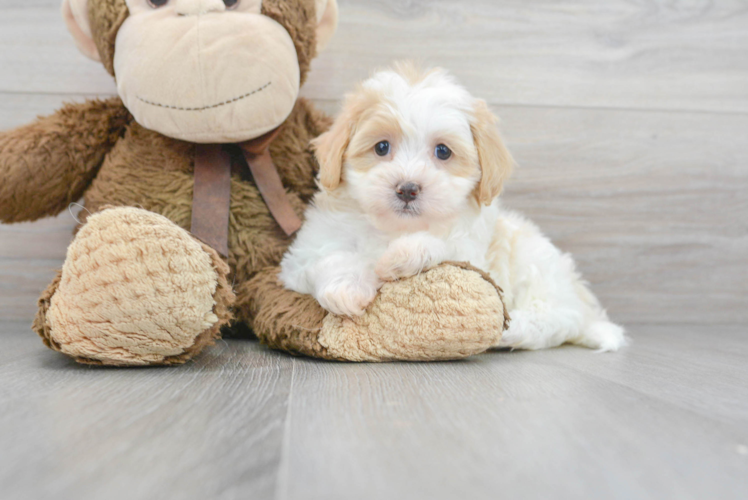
x,y
408,191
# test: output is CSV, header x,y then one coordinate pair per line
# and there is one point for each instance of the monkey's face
x,y
212,71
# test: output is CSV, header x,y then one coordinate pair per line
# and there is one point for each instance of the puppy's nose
x,y
408,191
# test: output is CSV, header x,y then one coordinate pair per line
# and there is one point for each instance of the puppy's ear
x,y
496,162
330,147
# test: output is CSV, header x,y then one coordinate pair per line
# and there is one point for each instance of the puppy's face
x,y
414,150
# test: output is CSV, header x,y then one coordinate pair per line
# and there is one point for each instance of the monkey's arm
x,y
46,165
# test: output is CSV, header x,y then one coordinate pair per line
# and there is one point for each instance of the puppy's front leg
x,y
344,283
409,255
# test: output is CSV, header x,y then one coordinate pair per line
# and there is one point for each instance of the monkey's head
x,y
208,71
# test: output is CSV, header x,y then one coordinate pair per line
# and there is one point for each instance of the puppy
x,y
409,175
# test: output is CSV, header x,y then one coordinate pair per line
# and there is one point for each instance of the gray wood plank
x,y
210,429
700,370
526,425
654,55
38,55
665,418
652,205
30,255
19,109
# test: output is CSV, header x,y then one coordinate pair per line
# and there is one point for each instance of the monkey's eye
x,y
157,3
382,149
443,152
230,4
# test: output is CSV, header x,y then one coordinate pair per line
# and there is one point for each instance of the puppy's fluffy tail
x,y
599,332
603,336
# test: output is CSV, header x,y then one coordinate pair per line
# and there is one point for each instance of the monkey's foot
x,y
135,289
450,312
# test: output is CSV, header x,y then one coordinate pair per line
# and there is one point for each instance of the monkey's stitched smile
x,y
212,106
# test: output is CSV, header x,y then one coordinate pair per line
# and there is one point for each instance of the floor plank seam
x,y
541,105
281,481
649,396
100,95
498,104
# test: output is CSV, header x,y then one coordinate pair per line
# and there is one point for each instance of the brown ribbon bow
x,y
211,200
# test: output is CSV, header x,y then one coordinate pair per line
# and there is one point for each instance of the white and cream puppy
x,y
409,175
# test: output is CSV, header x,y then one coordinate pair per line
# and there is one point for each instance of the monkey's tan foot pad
x,y
135,289
450,312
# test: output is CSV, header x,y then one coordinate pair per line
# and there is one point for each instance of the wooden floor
x,y
630,123
666,418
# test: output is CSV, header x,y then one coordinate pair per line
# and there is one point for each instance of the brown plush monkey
x,y
137,287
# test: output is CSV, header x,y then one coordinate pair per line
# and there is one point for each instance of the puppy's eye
x,y
230,4
382,149
157,3
443,152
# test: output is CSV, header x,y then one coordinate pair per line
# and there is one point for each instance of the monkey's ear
x,y
496,163
327,21
75,13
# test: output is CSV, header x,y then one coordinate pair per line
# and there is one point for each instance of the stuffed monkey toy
x,y
194,179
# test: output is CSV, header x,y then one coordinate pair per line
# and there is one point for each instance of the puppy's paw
x,y
516,335
396,264
408,256
347,298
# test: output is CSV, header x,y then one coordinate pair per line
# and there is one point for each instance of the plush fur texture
x,y
283,319
424,134
97,150
300,20
135,289
105,18
153,172
48,164
451,312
